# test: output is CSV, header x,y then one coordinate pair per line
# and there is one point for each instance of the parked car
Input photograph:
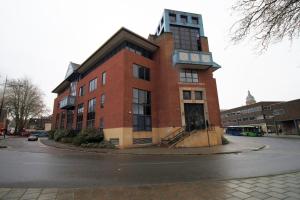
x,y
32,138
39,133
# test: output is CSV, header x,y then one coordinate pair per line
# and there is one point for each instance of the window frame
x,y
102,100
81,91
140,72
189,76
184,97
93,85
103,78
198,92
141,110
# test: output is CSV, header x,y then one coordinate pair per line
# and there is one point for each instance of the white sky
x,y
38,39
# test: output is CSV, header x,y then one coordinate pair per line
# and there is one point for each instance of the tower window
x,y
195,20
172,17
183,19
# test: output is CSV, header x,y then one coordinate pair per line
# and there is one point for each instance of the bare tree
x,y
24,100
266,21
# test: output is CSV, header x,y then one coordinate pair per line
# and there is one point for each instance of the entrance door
x,y
194,116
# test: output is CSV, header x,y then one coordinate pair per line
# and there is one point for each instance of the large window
x,y
185,38
70,116
91,113
103,78
189,76
79,120
62,120
141,72
141,109
57,121
93,84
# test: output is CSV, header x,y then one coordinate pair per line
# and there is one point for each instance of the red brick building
x,y
141,91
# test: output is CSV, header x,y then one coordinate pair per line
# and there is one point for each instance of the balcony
x,y
194,60
67,103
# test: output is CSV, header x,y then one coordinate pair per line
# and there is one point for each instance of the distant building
x,y
40,123
276,117
250,99
257,114
287,117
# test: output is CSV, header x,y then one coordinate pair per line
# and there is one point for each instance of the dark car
x,y
32,138
39,133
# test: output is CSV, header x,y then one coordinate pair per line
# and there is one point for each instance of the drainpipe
x,y
207,125
297,127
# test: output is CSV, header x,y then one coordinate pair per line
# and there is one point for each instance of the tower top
x,y
250,99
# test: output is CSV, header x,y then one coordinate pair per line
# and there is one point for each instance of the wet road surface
x,y
33,164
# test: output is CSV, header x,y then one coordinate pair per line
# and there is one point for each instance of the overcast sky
x,y
38,39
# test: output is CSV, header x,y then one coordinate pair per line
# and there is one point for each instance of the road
x,y
33,164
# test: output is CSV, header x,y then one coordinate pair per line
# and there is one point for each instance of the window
x,y
185,38
102,99
195,20
73,88
57,121
198,95
93,84
70,116
81,91
188,76
172,17
183,19
62,121
186,95
91,113
103,78
79,120
141,109
141,72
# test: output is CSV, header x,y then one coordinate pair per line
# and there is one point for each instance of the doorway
x,y
194,116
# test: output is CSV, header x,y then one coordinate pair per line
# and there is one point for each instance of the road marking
x,y
154,163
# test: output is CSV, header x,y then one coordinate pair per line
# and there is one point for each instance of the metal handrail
x,y
173,132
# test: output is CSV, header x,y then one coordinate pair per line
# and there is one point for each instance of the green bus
x,y
252,131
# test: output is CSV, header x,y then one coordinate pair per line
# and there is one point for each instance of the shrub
x,y
224,140
78,140
51,134
102,144
89,135
59,134
67,139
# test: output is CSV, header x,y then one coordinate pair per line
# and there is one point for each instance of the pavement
x,y
285,186
235,146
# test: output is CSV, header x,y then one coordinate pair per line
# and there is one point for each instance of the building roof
x,y
123,34
251,105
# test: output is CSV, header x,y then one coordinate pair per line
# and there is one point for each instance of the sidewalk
x,y
235,146
286,186
283,136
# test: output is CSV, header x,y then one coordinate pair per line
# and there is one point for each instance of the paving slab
x,y
206,190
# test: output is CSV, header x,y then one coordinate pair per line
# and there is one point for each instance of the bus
x,y
252,131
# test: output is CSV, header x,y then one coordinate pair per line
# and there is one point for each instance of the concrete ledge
x,y
231,148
